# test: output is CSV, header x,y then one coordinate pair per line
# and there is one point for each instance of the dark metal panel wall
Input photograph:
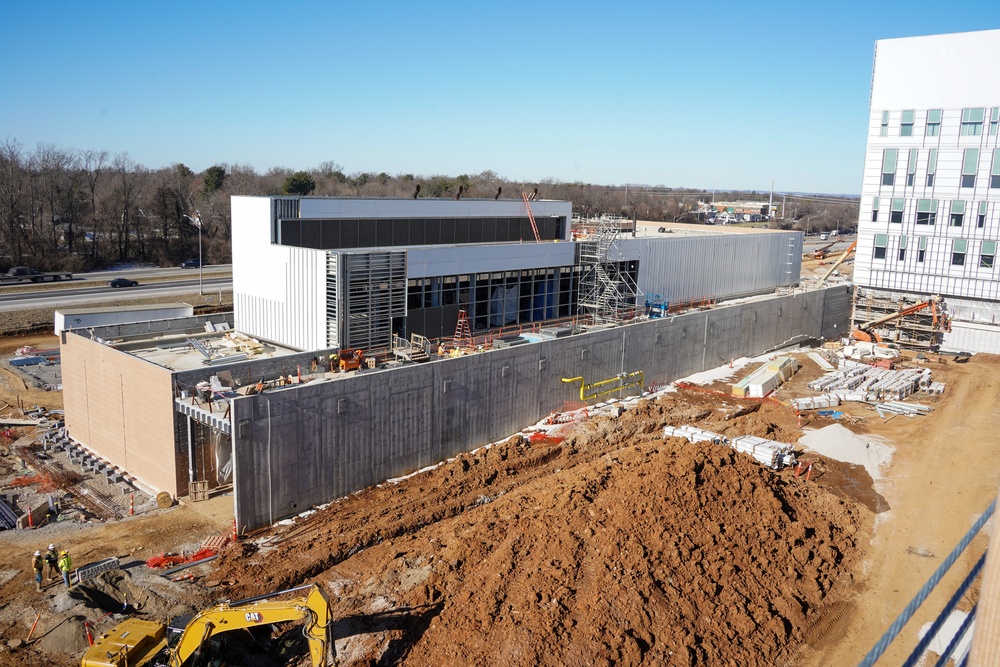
x,y
312,443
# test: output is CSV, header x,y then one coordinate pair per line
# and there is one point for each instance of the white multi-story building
x,y
930,200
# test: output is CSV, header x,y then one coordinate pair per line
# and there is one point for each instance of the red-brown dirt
x,y
613,547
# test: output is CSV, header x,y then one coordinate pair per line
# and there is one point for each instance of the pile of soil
x,y
613,547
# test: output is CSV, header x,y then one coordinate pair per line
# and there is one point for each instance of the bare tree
x,y
12,185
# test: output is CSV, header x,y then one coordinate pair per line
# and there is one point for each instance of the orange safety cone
x,y
798,469
31,521
809,471
90,637
236,535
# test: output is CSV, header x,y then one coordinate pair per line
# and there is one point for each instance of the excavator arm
x,y
136,642
314,609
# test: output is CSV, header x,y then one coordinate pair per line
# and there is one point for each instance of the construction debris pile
x,y
58,480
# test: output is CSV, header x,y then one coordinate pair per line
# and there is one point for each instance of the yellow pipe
x,y
625,381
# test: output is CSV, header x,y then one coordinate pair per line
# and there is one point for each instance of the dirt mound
x,y
116,592
612,547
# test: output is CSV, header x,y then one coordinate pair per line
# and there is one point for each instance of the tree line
x,y
78,210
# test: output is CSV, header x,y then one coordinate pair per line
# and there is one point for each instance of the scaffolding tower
x,y
607,293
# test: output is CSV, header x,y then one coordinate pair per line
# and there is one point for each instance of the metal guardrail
x,y
883,643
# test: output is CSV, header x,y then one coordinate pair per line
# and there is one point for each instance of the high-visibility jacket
x,y
37,563
65,563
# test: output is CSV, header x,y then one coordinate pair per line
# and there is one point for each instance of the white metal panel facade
x,y
929,219
723,266
279,293
75,318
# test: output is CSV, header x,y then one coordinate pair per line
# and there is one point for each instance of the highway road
x,y
59,295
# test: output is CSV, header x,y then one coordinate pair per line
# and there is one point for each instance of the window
x,y
902,248
981,218
957,213
896,212
931,167
921,248
933,123
906,124
881,241
995,171
911,167
926,211
994,119
986,254
875,209
884,132
958,252
889,166
970,162
972,122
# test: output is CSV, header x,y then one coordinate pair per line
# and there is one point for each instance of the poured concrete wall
x,y
309,444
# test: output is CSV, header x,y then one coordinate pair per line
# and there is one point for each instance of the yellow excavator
x,y
137,642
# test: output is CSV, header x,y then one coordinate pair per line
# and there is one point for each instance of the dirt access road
x,y
611,546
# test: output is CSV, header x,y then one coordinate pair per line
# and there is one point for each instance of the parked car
x,y
191,263
123,282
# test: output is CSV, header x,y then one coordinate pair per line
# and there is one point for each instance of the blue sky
x,y
710,94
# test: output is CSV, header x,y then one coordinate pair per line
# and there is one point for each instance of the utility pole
x,y
770,200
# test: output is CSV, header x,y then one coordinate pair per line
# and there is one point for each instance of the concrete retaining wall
x,y
309,444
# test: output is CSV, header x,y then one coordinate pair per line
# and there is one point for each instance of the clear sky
x,y
700,94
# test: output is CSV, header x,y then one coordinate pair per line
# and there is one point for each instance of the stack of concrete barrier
x,y
831,400
694,434
876,384
766,379
773,454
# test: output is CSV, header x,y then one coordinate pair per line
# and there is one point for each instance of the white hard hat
x,y
52,547
38,553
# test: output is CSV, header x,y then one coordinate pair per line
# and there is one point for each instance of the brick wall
x,y
121,408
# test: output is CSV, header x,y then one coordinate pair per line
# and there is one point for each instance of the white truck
x,y
25,274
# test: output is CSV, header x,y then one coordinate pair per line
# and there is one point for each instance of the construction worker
x,y
38,564
65,565
52,558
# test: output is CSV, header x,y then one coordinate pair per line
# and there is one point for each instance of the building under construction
x,y
258,398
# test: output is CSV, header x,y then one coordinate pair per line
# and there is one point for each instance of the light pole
x,y
807,222
196,221
201,269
